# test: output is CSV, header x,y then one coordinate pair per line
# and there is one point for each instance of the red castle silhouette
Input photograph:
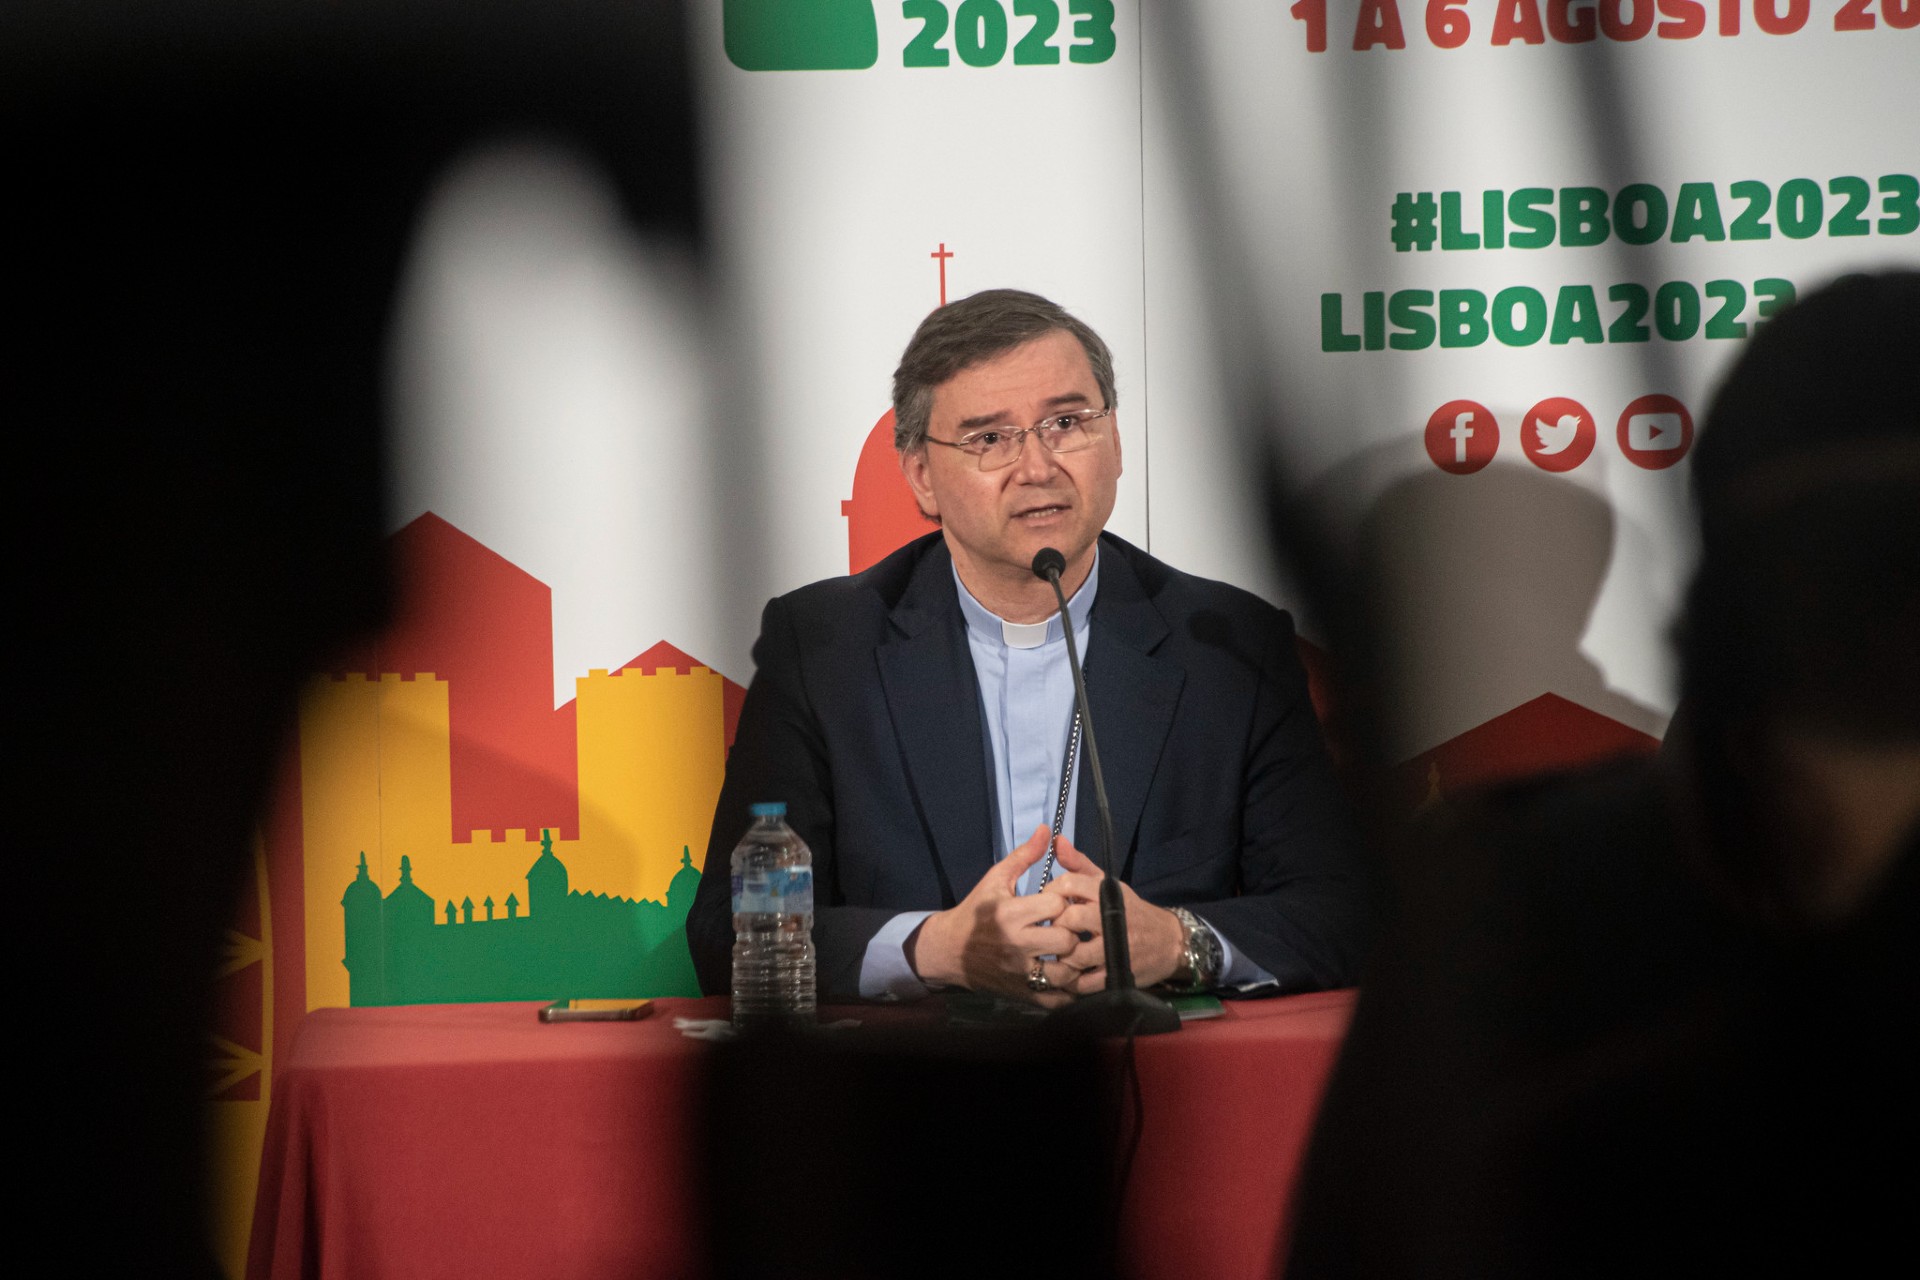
x,y
1545,735
485,626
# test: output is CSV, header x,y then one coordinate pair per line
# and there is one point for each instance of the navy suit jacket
x,y
864,716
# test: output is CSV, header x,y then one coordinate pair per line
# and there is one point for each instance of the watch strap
x,y
1200,957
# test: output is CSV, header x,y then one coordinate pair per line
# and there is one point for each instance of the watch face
x,y
1209,955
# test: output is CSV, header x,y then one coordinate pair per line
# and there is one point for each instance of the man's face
x,y
995,520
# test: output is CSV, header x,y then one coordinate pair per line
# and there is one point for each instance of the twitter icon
x,y
1557,437
1558,434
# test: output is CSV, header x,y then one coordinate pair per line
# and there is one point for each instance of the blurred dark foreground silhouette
x,y
1652,1019
211,204
888,1151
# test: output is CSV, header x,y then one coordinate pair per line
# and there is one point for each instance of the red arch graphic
x,y
882,515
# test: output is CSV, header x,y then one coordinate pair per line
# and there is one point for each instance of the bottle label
x,y
784,891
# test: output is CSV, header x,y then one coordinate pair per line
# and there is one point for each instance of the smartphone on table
x,y
596,1010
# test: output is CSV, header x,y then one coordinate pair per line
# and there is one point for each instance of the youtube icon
x,y
1655,432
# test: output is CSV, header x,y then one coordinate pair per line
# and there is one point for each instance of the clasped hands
x,y
993,938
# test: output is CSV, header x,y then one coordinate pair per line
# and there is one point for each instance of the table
x,y
475,1141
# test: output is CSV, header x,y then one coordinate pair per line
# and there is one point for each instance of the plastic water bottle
x,y
772,923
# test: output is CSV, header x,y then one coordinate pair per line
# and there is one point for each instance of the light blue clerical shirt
x,y
1026,703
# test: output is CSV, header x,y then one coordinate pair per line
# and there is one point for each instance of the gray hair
x,y
965,333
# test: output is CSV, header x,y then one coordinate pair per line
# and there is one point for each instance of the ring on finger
x,y
1037,977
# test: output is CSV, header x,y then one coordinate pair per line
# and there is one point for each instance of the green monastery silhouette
x,y
568,945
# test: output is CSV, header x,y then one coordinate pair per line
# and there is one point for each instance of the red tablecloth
x,y
473,1141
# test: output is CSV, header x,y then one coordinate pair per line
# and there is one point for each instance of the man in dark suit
x,y
917,719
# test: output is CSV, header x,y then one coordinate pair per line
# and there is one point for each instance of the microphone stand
x,y
1123,1009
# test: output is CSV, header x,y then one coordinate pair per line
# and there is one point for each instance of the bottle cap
x,y
775,809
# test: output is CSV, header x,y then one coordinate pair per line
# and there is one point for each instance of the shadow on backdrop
x,y
1484,585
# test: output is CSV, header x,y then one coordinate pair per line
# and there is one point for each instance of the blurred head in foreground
x,y
1801,649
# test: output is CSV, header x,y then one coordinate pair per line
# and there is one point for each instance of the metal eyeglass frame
x,y
1082,419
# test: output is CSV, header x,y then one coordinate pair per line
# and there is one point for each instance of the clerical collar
x,y
984,624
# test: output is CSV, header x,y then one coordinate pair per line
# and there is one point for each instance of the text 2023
x,y
981,29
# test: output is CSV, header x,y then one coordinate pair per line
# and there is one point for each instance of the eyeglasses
x,y
996,447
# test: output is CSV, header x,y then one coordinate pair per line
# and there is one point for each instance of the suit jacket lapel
x,y
933,697
1133,696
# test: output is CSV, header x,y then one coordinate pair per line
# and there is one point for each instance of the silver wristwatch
x,y
1200,958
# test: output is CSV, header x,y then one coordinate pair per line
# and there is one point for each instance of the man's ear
x,y
913,465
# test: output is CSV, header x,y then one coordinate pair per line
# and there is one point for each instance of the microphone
x,y
1122,1009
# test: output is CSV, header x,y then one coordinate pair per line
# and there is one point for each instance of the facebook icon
x,y
1462,437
